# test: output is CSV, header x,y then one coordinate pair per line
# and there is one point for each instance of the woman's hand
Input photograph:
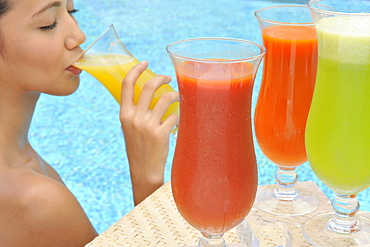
x,y
146,136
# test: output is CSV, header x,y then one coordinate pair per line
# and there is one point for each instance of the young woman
x,y
39,42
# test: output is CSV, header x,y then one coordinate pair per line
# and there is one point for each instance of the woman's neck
x,y
16,112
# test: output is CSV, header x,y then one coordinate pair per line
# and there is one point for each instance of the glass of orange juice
x,y
284,99
214,172
108,60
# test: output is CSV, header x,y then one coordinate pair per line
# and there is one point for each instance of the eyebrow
x,y
48,6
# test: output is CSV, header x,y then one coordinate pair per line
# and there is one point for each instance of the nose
x,y
75,35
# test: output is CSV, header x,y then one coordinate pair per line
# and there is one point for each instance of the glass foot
x,y
212,242
305,202
316,231
246,235
227,245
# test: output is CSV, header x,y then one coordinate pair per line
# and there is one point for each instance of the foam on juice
x,y
347,38
106,60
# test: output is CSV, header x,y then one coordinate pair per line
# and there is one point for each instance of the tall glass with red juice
x,y
283,103
214,172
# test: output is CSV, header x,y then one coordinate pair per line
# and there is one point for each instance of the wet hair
x,y
4,7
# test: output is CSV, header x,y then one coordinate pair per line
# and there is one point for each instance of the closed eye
x,y
55,23
50,27
71,12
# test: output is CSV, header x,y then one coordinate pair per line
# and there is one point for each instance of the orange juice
x,y
286,92
111,69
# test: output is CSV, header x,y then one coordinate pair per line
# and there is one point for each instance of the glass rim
x,y
256,14
109,28
255,57
322,11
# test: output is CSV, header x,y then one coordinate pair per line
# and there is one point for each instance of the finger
x,y
149,89
170,123
128,88
163,104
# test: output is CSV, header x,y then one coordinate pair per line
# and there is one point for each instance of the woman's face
x,y
39,41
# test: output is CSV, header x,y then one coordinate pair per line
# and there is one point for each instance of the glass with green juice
x,y
338,125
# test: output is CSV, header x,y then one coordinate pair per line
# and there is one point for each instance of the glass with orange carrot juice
x,y
108,60
283,103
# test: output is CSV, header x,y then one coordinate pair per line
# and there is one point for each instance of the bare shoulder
x,y
40,211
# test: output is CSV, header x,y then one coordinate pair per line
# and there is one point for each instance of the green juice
x,y
338,125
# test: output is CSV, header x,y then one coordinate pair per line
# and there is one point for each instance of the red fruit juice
x,y
214,172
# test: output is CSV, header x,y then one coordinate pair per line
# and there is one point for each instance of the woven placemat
x,y
157,222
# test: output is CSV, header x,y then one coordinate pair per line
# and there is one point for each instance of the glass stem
x,y
345,207
286,178
212,241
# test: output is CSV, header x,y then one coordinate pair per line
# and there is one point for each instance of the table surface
x,y
157,222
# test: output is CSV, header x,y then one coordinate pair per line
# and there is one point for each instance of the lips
x,y
74,70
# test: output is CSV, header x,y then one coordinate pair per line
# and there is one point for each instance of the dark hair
x,y
4,7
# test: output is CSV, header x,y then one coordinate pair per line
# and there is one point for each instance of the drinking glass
x,y
338,125
214,174
284,99
108,60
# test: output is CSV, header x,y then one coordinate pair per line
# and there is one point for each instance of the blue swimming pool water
x,y
80,134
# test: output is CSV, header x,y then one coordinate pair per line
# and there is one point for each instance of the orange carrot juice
x,y
214,173
286,91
